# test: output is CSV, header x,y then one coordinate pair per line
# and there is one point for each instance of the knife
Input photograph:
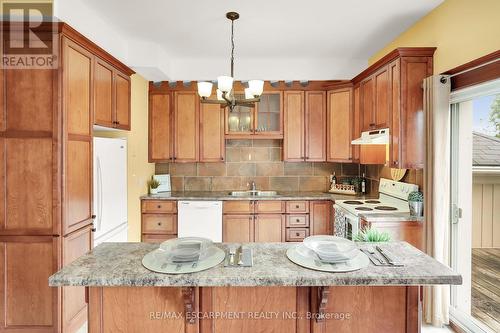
x,y
239,260
372,259
386,256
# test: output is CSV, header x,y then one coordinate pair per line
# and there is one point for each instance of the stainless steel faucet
x,y
254,187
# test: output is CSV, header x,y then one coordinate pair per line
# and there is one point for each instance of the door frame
x,y
461,200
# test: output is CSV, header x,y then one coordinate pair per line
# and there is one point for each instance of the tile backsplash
x,y
254,160
260,161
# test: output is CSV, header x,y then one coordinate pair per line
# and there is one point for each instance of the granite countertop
x,y
119,264
391,217
224,195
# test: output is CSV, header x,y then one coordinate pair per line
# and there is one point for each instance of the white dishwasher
x,y
200,219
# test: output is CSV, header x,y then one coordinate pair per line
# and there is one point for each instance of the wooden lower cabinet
x,y
74,304
159,220
367,309
360,309
275,221
408,231
27,303
269,228
238,228
320,216
138,310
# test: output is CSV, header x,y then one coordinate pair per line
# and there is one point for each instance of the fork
x,y
374,255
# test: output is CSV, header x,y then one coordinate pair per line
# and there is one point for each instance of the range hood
x,y
375,137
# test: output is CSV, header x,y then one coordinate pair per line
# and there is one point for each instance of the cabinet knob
x,y
159,206
395,162
297,234
93,216
297,220
222,158
159,223
296,206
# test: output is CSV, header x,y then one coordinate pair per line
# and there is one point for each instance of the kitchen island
x,y
274,295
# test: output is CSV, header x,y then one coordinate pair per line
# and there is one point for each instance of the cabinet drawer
x,y
297,220
238,207
296,234
159,206
156,238
159,223
270,206
297,206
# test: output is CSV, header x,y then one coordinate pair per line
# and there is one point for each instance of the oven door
x,y
345,224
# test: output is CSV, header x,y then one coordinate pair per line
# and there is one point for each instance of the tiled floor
x,y
485,287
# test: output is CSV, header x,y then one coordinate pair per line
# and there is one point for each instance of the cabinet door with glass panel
x,y
265,120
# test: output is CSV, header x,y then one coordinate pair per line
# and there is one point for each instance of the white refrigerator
x,y
110,190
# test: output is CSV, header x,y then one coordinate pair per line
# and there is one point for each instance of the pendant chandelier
x,y
225,91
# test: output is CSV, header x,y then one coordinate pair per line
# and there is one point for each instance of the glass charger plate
x,y
157,261
295,255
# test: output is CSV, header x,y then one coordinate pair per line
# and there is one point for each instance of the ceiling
x,y
278,39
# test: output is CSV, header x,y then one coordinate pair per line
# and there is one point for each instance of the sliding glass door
x,y
475,207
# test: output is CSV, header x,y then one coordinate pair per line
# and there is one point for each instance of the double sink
x,y
253,193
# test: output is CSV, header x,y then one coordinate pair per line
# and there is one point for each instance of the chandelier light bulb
x,y
205,89
256,87
248,93
225,83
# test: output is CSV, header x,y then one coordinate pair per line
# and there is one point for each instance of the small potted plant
x,y
153,186
416,203
369,234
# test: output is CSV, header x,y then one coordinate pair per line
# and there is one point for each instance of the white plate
x,y
296,255
327,246
158,261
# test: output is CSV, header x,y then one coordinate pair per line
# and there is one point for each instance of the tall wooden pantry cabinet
x,y
46,121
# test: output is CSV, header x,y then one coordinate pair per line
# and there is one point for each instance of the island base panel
x,y
360,309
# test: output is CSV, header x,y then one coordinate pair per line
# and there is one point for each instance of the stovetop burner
x,y
363,208
385,208
372,201
353,202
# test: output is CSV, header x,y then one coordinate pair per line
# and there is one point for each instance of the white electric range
x,y
393,198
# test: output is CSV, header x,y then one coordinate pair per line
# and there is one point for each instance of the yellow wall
x,y
138,168
462,30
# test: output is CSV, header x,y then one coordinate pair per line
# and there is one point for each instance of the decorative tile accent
x,y
183,169
233,154
269,169
240,169
177,183
197,183
254,154
298,168
275,154
162,168
225,183
284,183
326,169
313,183
211,169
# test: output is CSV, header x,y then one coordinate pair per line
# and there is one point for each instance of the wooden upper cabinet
x,y
103,94
111,96
160,128
186,121
356,122
367,93
382,98
77,88
315,126
269,115
122,101
395,113
212,143
294,133
412,121
339,148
